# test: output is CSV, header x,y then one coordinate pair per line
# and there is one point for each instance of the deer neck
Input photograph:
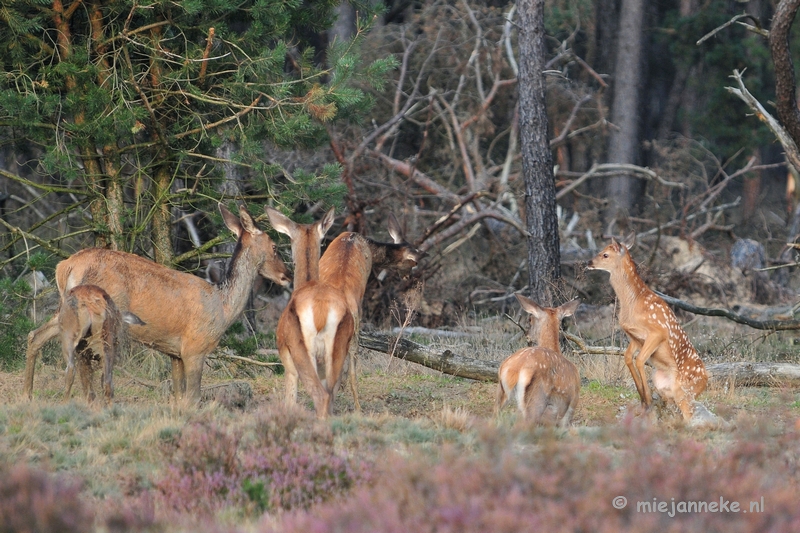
x,y
548,335
306,264
235,290
627,284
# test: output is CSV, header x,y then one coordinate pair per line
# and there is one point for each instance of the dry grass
x,y
119,453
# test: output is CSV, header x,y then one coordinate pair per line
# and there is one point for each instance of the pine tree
x,y
127,103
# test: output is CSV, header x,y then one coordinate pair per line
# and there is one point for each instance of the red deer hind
x,y
88,314
654,331
315,329
544,383
184,315
348,262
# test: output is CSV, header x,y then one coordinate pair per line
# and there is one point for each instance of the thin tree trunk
x,y
537,163
624,141
162,218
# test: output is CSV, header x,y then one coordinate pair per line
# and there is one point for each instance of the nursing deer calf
x,y
184,316
654,331
544,383
88,315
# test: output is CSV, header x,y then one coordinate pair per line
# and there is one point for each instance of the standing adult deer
x,y
654,331
88,314
544,383
315,329
347,264
184,315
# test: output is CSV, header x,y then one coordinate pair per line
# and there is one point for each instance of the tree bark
x,y
785,96
624,141
544,265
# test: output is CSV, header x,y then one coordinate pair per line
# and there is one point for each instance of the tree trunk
x,y
162,218
624,142
785,95
544,265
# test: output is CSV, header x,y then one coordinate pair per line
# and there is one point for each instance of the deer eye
x,y
605,255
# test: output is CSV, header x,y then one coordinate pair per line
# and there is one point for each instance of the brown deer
x,y
544,383
654,331
315,329
347,264
88,315
184,315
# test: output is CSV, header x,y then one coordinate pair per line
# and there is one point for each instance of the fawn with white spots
x,y
654,331
88,314
544,383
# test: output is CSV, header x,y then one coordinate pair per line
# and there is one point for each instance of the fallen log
x,y
741,373
446,361
756,374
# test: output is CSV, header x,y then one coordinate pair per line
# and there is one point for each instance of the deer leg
x,y
68,349
289,377
501,400
85,372
651,344
36,339
638,379
339,354
535,402
566,418
108,369
193,368
178,378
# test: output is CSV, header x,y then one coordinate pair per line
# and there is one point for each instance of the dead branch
x,y
771,325
788,143
611,169
732,21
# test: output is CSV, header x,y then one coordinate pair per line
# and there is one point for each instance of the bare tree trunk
x,y
345,26
624,142
162,218
537,161
785,95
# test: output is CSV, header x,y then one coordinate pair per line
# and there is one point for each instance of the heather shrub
x,y
551,484
35,501
285,460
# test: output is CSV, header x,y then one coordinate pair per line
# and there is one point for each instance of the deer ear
x,y
326,222
247,221
568,309
231,221
630,240
279,221
529,305
394,229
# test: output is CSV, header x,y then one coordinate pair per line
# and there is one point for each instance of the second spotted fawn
x,y
544,383
654,331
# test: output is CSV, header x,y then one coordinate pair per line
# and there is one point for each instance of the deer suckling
x,y
90,323
544,383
